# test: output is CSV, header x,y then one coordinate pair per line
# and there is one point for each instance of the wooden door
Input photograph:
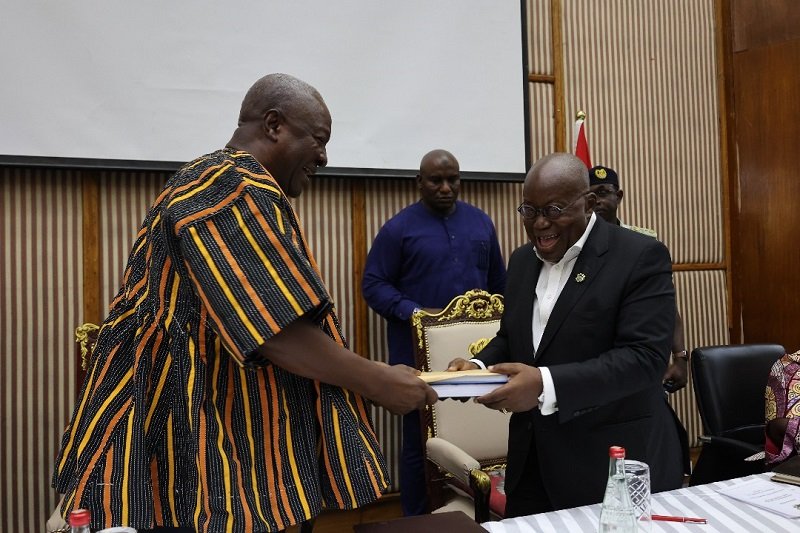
x,y
765,213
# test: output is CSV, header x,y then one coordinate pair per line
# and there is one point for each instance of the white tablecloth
x,y
724,514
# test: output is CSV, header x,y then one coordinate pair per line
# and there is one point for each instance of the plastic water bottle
x,y
616,513
79,520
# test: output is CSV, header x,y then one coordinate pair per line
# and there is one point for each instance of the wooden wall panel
x,y
702,302
644,73
124,200
766,86
541,97
41,302
326,217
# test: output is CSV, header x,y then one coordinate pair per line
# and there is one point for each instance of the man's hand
x,y
677,375
459,363
522,391
399,390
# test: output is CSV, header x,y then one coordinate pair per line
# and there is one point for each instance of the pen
x,y
664,518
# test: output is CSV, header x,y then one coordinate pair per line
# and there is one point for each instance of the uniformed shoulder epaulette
x,y
645,231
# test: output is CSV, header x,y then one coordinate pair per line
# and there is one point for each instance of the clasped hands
x,y
520,394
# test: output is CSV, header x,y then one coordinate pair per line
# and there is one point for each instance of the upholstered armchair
x,y
466,443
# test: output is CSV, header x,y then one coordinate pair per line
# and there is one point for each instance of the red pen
x,y
689,519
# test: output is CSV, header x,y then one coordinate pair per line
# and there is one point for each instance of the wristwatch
x,y
683,354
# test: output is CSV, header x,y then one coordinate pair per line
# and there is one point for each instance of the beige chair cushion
x,y
479,431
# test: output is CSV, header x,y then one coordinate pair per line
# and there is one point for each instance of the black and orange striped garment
x,y
178,422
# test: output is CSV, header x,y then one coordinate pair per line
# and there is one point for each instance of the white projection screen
x,y
99,81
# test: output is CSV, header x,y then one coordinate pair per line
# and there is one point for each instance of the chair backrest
x,y
471,319
729,383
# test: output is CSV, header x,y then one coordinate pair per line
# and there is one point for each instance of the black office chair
x,y
729,384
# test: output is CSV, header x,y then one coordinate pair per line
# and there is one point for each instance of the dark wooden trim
x,y
541,78
92,306
691,267
728,167
558,77
359,238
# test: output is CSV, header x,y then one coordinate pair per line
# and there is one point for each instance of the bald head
x,y
560,169
436,158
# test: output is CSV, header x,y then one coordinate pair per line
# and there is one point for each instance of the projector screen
x,y
163,81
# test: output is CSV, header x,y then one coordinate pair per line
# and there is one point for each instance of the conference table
x,y
724,514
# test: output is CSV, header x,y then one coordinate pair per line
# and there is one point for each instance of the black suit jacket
x,y
607,345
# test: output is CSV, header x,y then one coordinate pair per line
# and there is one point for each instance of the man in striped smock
x,y
221,395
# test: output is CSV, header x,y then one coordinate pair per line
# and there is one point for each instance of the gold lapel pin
x,y
580,277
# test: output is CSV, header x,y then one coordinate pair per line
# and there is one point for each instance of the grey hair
x,y
275,91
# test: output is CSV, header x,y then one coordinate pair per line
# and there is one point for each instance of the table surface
x,y
724,514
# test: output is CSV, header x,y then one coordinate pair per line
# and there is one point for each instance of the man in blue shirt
x,y
428,253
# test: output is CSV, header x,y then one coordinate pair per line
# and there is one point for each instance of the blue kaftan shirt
x,y
422,259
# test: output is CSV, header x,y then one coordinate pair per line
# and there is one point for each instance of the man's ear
x,y
273,120
419,181
591,201
619,195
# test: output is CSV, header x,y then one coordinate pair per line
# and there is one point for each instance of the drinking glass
x,y
637,474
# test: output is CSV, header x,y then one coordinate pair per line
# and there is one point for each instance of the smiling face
x,y
561,180
302,132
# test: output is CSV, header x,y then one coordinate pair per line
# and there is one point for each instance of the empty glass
x,y
637,474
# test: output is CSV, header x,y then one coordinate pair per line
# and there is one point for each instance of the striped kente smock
x,y
178,422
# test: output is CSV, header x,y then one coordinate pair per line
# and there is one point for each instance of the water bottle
x,y
79,520
616,513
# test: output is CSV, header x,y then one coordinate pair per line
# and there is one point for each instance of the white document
x,y
778,498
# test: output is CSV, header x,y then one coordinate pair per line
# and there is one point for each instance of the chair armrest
x,y
451,459
732,444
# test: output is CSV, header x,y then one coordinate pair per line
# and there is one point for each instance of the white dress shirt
x,y
552,279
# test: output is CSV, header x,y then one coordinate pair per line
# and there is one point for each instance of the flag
x,y
581,146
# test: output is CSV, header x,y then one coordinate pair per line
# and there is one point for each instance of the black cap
x,y
601,175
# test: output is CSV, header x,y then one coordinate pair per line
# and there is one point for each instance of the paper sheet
x,y
778,498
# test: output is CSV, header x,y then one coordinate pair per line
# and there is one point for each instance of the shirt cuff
x,y
548,403
478,362
406,309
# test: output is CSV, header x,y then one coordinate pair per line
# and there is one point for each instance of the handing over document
x,y
463,384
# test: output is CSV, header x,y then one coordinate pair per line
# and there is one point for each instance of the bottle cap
x,y
79,517
616,452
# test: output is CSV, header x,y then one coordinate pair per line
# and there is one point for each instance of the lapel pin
x,y
580,277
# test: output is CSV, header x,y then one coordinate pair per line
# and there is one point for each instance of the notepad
x,y
464,384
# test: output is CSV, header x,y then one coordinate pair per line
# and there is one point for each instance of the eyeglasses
x,y
550,212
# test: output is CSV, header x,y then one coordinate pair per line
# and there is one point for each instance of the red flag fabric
x,y
581,146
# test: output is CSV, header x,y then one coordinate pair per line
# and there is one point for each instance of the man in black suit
x,y
589,313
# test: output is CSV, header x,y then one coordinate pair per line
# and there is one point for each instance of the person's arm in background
x,y
382,273
677,374
304,349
